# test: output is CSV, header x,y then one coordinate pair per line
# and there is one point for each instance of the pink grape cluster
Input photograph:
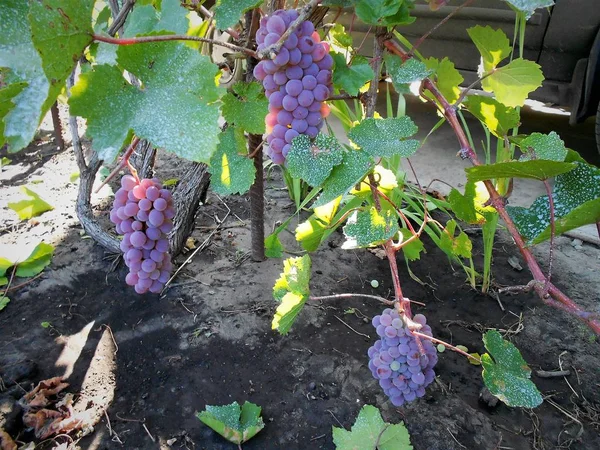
x,y
142,213
396,360
296,82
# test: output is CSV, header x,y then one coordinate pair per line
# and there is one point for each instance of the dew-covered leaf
x,y
506,374
7,103
146,18
229,12
452,245
232,172
369,228
493,45
235,424
529,6
291,290
351,78
355,165
497,117
576,196
448,79
543,146
403,73
538,169
371,432
512,83
386,137
246,107
313,161
33,206
175,109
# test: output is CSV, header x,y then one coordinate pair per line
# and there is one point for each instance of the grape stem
x,y
447,345
172,37
123,163
271,51
338,296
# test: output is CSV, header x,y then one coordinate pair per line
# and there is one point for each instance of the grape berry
x,y
396,360
142,213
296,82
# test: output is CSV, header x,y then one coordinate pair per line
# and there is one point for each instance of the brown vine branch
x,y
548,293
171,37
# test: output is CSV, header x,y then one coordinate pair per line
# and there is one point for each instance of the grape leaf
x,y
386,137
447,78
372,12
273,246
369,228
371,432
493,45
60,30
235,424
463,206
538,169
338,3
543,146
175,109
529,6
412,251
18,54
355,165
291,290
246,106
310,233
506,374
232,172
339,38
576,196
497,117
31,207
402,17
313,162
403,73
228,12
28,262
7,95
145,19
455,245
351,78
513,82
4,301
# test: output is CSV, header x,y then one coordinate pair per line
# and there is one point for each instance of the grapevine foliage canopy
x,y
386,137
313,162
228,12
145,19
369,228
246,106
232,172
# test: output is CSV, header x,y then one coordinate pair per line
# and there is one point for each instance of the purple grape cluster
x,y
296,82
396,359
142,212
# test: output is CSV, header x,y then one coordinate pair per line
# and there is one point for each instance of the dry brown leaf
x,y
6,442
379,252
38,398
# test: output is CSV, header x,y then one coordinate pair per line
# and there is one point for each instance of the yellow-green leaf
x,y
32,207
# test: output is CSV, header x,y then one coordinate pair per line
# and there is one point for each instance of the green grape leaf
x,y
386,137
576,196
529,6
7,95
493,45
291,290
338,3
538,169
145,19
355,165
4,161
452,245
101,22
18,54
60,30
232,172
235,424
339,37
403,73
543,146
228,12
310,233
448,79
4,301
371,432
369,228
463,206
506,374
412,251
497,117
402,17
513,82
175,109
351,78
313,161
31,207
372,12
39,258
246,107
273,246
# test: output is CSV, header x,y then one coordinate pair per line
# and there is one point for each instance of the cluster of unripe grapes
x,y
403,367
297,81
142,212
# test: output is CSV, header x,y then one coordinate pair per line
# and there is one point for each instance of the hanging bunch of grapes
x,y
142,212
296,82
401,361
